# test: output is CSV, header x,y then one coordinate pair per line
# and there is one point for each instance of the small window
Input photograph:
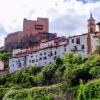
x,y
44,53
54,57
64,45
55,53
50,63
29,61
72,40
35,52
39,27
45,58
36,60
33,61
51,54
82,46
41,54
77,40
75,48
65,49
40,58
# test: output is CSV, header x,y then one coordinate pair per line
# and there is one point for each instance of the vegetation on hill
x,y
70,77
5,56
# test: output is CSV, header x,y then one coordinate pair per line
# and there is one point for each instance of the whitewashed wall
x,y
47,54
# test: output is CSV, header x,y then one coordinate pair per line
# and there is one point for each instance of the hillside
x,y
70,78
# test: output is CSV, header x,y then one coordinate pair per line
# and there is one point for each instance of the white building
x,y
47,51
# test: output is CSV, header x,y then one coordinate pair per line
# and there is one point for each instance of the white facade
x,y
95,41
49,50
41,58
78,45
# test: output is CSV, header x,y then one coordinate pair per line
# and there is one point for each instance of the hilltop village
x,y
36,46
44,66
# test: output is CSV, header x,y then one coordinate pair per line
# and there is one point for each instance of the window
x,y
44,53
39,27
82,47
29,61
75,48
51,54
35,52
41,54
40,58
45,58
91,30
36,60
31,56
55,53
77,40
50,63
33,61
65,49
72,40
64,45
54,57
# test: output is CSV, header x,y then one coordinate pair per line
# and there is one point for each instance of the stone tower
x,y
91,31
91,24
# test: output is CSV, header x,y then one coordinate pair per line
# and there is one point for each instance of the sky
x,y
66,17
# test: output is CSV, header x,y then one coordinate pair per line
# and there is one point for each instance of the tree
x,y
33,70
5,56
59,62
49,72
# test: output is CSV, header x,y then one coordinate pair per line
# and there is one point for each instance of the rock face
x,y
33,32
27,41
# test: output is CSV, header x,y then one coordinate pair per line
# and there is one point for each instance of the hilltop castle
x,y
33,32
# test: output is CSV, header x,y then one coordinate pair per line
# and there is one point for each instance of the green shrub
x,y
46,93
21,95
3,91
33,70
95,72
48,73
73,76
89,91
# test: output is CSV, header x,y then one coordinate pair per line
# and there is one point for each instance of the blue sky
x,y
67,17
88,1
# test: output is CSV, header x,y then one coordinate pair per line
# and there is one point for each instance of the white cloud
x,y
65,17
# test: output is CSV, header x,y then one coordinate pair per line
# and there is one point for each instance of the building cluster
x,y
46,51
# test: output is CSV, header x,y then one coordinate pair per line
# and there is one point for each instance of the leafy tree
x,y
33,70
59,62
73,76
89,91
95,72
49,72
5,56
